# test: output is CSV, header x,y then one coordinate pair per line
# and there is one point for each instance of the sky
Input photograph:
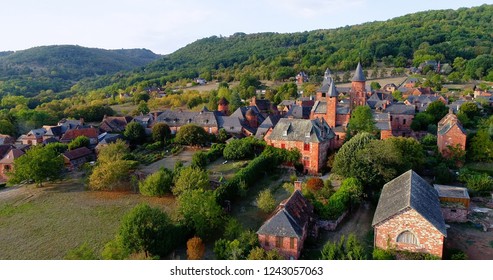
x,y
163,26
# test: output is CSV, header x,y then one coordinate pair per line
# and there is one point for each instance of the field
x,y
45,223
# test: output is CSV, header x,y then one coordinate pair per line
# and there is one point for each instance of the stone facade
x,y
454,214
401,124
450,134
429,239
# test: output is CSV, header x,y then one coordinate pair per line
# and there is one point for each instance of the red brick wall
x,y
385,134
454,214
452,138
430,240
3,171
316,155
343,119
331,111
285,248
401,124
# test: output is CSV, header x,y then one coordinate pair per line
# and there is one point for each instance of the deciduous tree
x,y
195,248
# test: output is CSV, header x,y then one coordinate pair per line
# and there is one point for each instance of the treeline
x,y
404,41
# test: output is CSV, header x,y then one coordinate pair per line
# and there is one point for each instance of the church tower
x,y
332,105
358,88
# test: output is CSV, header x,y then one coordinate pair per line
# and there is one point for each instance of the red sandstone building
x,y
313,138
288,228
450,134
409,217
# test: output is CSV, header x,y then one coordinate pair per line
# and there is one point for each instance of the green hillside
x,y
57,68
404,41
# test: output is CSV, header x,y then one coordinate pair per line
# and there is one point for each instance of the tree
x,y
346,156
345,249
142,108
199,160
39,164
266,201
259,253
192,135
375,86
437,110
135,133
149,230
314,184
195,248
362,120
160,132
410,151
80,141
421,121
191,178
470,109
481,148
157,184
113,169
7,127
200,212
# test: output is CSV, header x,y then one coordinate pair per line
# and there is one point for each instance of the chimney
x,y
298,186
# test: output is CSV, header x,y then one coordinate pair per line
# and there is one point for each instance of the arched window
x,y
407,237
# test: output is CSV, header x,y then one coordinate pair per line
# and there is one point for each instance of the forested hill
x,y
58,67
442,35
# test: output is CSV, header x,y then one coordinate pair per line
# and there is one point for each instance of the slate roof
x,y
11,155
115,124
6,139
54,131
332,90
359,76
410,191
68,124
297,130
326,82
39,132
77,153
74,133
107,138
290,217
179,118
320,107
382,121
269,122
451,191
287,103
240,113
450,120
263,105
231,124
299,112
223,101
4,149
400,109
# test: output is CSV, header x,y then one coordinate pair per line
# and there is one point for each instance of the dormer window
x,y
285,133
307,134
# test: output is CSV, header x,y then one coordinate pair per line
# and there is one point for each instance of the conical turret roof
x,y
332,90
359,76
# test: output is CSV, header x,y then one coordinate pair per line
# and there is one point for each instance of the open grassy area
x,y
46,223
226,169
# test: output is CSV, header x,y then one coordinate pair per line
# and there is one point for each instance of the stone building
x,y
313,138
454,202
288,228
408,216
450,134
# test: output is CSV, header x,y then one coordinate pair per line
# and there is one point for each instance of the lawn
x,y
46,223
226,169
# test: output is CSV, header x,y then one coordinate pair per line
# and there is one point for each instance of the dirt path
x,y
169,162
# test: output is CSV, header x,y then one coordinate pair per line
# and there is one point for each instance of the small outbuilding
x,y
454,202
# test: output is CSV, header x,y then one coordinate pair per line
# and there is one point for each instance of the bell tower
x,y
358,88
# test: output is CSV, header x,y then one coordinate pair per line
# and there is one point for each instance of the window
x,y
267,244
390,118
278,241
285,133
307,134
283,146
404,121
291,243
7,168
407,237
306,146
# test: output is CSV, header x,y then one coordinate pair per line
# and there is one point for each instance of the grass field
x,y
46,223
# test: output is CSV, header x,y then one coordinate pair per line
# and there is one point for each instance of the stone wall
x,y
430,240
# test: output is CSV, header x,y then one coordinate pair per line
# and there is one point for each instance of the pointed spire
x,y
359,76
332,90
327,74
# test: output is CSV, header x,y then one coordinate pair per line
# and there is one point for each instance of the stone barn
x,y
408,216
454,202
288,228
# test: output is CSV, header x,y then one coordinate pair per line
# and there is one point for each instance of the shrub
x,y
266,201
215,152
199,160
379,254
345,249
480,183
241,148
157,184
192,135
315,184
83,252
195,248
191,178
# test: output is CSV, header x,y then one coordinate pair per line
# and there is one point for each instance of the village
x,y
302,141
